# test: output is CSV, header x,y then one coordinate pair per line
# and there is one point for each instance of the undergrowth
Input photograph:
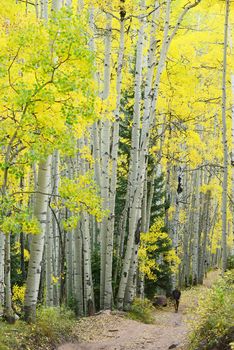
x,y
53,326
214,320
142,310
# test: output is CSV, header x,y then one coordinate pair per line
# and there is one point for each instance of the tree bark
x,y
37,244
225,142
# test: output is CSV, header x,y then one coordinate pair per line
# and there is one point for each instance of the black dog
x,y
176,293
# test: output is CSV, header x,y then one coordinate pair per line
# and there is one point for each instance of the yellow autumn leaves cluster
x,y
156,250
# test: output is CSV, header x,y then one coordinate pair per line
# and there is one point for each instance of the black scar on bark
x,y
138,232
179,188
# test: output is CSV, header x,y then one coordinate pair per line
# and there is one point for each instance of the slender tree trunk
x,y
133,166
206,228
225,142
197,213
69,264
113,180
8,312
37,8
55,226
105,157
232,159
56,5
78,272
37,244
2,253
188,232
88,282
49,260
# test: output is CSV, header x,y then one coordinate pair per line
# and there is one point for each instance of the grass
x,y
142,310
53,326
214,317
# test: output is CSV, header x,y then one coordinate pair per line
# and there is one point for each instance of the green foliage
x,y
79,194
18,222
142,310
53,326
157,259
54,322
54,95
230,262
215,314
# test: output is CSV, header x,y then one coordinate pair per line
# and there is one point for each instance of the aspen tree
x,y
55,226
37,243
206,227
2,249
49,259
56,5
105,154
8,311
188,231
69,247
78,271
37,8
113,178
197,215
44,10
225,142
133,164
232,156
88,294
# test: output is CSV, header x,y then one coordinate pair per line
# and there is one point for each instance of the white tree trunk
x,y
56,240
69,264
78,272
2,250
88,282
232,159
206,229
37,243
105,157
8,312
113,180
197,209
49,260
44,9
56,5
225,142
133,166
37,8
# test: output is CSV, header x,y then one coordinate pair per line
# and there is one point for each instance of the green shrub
x,y
215,314
54,323
142,310
53,326
230,262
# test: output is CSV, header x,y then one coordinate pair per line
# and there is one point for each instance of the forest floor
x,y
116,332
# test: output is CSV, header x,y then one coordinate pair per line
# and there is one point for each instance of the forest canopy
x,y
116,150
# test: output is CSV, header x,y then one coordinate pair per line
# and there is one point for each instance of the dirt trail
x,y
113,332
120,333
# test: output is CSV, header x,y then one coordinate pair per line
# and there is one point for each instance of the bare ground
x,y
115,332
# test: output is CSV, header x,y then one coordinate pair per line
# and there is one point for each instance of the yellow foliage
x,y
155,249
18,293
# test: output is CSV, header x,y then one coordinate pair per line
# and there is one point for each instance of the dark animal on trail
x,y
176,293
90,308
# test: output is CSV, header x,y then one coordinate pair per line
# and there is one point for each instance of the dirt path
x,y
113,332
120,334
